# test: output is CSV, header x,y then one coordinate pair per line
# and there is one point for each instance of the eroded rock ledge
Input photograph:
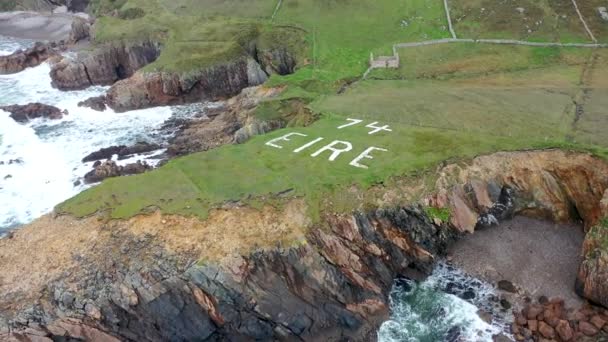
x,y
268,274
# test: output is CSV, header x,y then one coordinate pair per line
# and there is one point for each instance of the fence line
x,y
580,16
447,14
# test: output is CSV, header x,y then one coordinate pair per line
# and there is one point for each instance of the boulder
x,y
588,328
598,321
546,330
507,286
532,311
25,113
564,330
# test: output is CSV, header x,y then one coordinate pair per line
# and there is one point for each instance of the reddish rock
x,y
532,311
553,321
598,321
520,319
546,330
22,59
588,328
564,330
533,325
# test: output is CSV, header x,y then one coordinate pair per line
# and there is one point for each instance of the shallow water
x,y
42,159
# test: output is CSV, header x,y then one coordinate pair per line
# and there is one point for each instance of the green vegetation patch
x,y
428,121
195,39
442,214
470,59
532,20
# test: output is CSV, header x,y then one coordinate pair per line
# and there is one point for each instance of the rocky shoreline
x,y
326,283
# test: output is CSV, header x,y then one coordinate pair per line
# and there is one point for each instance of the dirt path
x,y
541,258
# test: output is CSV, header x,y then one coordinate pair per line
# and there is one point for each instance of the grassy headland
x,y
445,102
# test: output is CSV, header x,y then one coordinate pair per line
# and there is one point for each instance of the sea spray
x,y
434,310
40,162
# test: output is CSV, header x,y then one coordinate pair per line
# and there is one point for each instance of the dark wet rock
x,y
122,151
96,103
103,153
507,286
25,113
468,295
110,169
22,59
454,334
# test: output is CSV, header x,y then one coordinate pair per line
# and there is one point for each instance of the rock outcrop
x,y
122,151
269,274
96,103
218,82
23,59
25,113
103,66
221,125
592,280
109,168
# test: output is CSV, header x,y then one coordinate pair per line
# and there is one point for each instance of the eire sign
x,y
336,147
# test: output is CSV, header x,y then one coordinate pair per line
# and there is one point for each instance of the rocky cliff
x,y
103,66
269,273
117,64
148,89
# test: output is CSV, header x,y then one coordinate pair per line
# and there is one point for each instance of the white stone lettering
x,y
365,154
283,138
352,122
377,129
335,151
307,145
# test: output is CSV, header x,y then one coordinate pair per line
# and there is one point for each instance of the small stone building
x,y
384,61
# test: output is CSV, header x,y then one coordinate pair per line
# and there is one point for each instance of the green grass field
x,y
541,20
445,102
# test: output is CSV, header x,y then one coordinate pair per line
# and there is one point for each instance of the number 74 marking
x,y
376,129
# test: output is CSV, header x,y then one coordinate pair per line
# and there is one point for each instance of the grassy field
x,y
431,121
445,102
540,20
447,61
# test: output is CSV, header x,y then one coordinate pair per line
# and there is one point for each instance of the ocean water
x,y
40,161
443,308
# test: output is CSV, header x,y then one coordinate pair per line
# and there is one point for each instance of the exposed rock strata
x,y
103,66
156,278
149,89
25,113
232,122
23,59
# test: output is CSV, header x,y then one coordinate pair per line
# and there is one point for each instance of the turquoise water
x,y
435,310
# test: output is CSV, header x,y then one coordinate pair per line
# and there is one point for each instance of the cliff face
x,y
157,278
103,66
148,89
